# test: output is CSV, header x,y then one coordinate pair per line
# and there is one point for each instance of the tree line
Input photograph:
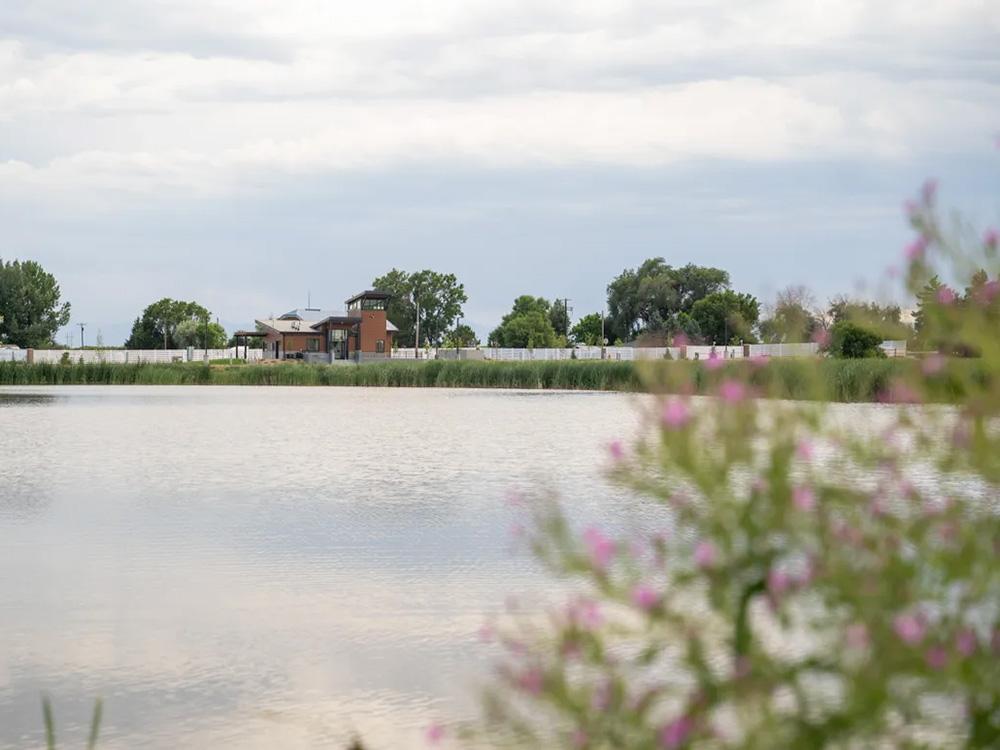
x,y
654,304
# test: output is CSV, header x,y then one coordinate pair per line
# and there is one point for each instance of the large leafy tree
x,y
200,333
792,318
654,296
157,327
883,320
559,317
30,308
439,296
726,317
527,325
588,330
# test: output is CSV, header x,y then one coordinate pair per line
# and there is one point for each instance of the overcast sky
x,y
244,153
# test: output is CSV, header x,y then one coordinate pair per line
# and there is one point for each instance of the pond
x,y
272,567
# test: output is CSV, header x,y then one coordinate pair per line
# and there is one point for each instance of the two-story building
x,y
361,331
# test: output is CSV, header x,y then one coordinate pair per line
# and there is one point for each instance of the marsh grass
x,y
799,379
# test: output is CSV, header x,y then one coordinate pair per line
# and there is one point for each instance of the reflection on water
x,y
269,567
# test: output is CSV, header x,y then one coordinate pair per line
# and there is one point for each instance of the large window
x,y
338,334
380,346
373,304
312,345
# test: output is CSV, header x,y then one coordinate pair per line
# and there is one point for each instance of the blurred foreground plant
x,y
817,582
50,724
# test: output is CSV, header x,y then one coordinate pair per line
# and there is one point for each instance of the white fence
x,y
893,348
135,356
784,350
13,355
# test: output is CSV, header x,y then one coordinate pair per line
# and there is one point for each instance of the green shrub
x,y
851,341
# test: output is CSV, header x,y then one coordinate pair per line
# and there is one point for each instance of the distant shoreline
x,y
845,380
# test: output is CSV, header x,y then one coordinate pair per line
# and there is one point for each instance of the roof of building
x,y
370,294
287,325
310,314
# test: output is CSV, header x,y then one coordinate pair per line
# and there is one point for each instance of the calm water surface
x,y
271,567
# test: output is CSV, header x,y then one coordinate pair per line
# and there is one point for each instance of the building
x,y
361,331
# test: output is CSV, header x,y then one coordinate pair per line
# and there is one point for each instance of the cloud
x,y
118,118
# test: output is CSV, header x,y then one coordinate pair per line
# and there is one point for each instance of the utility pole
x,y
416,335
82,325
604,340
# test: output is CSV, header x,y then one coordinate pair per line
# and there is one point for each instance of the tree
x,y
527,325
461,336
726,317
652,297
791,319
588,330
200,334
30,309
157,326
559,317
852,341
926,298
884,320
440,298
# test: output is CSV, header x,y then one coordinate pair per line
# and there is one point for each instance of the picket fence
x,y
625,353
135,356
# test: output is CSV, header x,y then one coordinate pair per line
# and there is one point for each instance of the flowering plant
x,y
810,579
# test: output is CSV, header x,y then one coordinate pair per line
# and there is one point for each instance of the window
x,y
312,345
373,304
380,346
338,334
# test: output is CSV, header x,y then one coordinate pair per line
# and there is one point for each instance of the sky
x,y
254,155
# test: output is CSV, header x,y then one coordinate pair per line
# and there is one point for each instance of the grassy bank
x,y
839,380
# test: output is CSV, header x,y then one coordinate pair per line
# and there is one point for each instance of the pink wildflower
x,y
530,681
760,485
821,336
915,250
732,391
645,597
946,295
910,629
714,361
911,208
988,292
676,414
759,360
600,548
680,340
616,450
580,739
585,614
804,498
487,633
899,393
965,641
601,699
936,657
434,734
676,733
804,450
933,365
705,555
778,583
856,635
991,238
